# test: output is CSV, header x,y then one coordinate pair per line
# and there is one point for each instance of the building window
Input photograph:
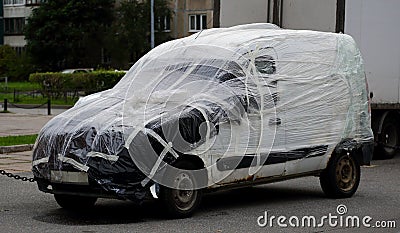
x,y
14,2
163,24
35,2
14,26
197,22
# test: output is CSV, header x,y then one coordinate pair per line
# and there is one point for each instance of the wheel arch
x,y
199,164
350,146
196,160
385,150
386,115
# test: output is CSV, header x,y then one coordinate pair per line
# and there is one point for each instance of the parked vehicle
x,y
77,70
223,108
374,25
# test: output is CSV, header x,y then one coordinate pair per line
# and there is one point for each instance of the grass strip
x,y
17,140
20,86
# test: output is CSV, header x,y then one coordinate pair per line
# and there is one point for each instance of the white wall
x,y
15,41
317,15
235,12
297,14
14,12
375,27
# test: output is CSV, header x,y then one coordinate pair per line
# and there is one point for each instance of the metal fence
x,y
6,103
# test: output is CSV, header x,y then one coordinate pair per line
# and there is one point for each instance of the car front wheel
x,y
341,177
182,201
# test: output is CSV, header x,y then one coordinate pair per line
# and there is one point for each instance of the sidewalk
x,y
16,162
22,122
55,110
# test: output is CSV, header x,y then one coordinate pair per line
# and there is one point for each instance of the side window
x,y
265,57
265,64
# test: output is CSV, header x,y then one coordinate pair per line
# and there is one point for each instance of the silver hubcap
x,y
184,195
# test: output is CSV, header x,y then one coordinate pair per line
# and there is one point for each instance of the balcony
x,y
14,2
34,2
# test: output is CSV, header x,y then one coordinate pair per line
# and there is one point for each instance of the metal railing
x,y
6,103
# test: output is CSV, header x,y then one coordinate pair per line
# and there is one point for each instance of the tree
x,y
84,33
16,68
68,33
131,29
7,59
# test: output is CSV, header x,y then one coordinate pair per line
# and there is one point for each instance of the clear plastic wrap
x,y
217,95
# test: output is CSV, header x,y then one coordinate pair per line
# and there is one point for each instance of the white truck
x,y
375,27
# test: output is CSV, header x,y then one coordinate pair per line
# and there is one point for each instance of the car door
x,y
251,147
315,117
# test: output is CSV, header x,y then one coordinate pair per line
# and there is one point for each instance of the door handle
x,y
275,121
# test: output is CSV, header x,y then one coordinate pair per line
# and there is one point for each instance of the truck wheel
x,y
389,139
73,202
341,177
181,203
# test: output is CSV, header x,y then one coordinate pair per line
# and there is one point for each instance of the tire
x,y
389,140
341,177
72,202
180,203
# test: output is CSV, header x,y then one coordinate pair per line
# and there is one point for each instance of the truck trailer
x,y
375,26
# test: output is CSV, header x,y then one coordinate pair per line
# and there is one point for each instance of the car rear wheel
x,y
73,202
182,201
342,176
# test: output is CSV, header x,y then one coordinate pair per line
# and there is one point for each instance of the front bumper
x,y
92,189
120,179
133,192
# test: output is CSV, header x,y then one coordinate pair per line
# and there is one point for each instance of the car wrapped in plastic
x,y
225,107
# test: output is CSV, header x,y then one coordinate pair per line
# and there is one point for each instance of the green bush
x,y
16,68
55,85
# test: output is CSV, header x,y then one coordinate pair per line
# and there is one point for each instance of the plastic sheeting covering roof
x,y
289,89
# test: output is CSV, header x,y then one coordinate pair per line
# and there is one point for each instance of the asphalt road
x,y
24,209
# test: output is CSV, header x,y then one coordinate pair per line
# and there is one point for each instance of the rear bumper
x,y
362,151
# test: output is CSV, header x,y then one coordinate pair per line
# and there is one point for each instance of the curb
x,y
17,148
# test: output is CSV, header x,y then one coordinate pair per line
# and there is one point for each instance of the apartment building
x,y
15,13
190,16
1,23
